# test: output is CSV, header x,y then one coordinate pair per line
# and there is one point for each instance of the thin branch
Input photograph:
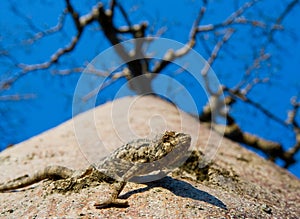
x,y
280,18
15,9
49,31
286,11
124,14
232,19
54,58
194,30
213,57
238,94
292,114
172,55
17,97
109,81
255,65
86,70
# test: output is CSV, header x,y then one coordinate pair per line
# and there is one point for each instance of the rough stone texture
x,y
235,184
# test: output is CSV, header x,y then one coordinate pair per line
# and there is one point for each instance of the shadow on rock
x,y
180,188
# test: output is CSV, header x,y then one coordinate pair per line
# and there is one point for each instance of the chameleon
x,y
131,162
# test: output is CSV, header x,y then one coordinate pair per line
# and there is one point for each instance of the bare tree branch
x,y
213,57
113,78
171,55
17,97
293,113
281,17
49,31
234,18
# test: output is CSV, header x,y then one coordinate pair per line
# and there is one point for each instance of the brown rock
x,y
232,183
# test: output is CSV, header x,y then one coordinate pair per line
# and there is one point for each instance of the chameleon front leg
x,y
113,200
50,172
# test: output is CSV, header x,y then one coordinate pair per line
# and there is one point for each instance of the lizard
x,y
130,162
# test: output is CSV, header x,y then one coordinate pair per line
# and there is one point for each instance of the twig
x,y
213,57
17,97
49,31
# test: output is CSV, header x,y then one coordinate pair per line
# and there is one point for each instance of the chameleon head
x,y
178,139
173,142
166,152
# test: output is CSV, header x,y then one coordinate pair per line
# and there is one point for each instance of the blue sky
x,y
53,94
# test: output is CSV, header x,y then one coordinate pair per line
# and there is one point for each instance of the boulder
x,y
221,179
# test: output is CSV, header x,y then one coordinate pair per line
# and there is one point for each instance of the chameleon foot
x,y
118,203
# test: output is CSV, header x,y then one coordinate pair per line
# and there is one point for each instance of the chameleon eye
x,y
168,134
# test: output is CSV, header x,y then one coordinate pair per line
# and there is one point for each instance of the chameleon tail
x,y
50,172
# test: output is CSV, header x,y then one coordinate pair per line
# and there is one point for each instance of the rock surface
x,y
232,183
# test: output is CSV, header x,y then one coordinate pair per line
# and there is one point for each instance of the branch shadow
x,y
179,188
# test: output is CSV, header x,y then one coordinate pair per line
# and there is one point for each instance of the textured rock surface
x,y
236,183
